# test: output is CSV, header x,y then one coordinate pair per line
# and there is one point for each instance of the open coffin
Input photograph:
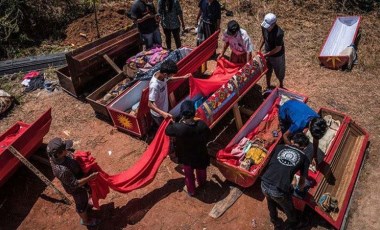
x,y
261,125
88,67
26,138
104,95
342,152
336,51
138,122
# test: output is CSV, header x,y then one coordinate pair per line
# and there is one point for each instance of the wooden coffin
x,y
229,94
342,34
339,170
138,124
231,171
26,138
88,66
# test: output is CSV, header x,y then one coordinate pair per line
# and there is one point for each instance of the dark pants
x,y
157,120
81,199
168,38
205,30
275,199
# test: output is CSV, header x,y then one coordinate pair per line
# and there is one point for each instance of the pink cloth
x,y
31,74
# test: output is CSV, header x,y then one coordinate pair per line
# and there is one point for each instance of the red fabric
x,y
31,75
262,131
223,72
138,176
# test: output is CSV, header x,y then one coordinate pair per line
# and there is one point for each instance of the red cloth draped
x,y
138,176
223,72
262,131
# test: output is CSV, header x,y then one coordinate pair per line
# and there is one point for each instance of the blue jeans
x,y
151,39
277,198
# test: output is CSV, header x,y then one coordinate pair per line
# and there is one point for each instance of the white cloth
x,y
158,93
239,44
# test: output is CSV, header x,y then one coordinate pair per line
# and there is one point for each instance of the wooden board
x,y
221,206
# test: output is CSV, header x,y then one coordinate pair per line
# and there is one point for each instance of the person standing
x,y
295,116
208,19
239,42
68,171
273,38
143,13
171,19
191,140
276,182
158,91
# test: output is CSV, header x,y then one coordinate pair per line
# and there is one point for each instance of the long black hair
x,y
167,5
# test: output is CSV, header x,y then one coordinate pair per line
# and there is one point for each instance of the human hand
x,y
220,56
167,115
93,175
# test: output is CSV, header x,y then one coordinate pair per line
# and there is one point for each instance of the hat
x,y
188,108
57,145
269,20
232,27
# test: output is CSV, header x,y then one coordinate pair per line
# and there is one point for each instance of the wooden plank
x,y
221,206
112,64
246,111
38,173
237,115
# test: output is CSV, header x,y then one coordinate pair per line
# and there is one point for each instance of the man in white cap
x,y
273,38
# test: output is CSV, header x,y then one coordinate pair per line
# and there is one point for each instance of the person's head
x,y
168,68
232,28
57,148
187,109
318,127
269,21
300,140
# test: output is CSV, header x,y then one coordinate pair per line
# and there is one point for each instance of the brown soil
x,y
25,203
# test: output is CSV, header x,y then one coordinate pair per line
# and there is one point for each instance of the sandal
x,y
93,222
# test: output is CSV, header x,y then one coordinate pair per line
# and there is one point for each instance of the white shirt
x,y
158,93
239,44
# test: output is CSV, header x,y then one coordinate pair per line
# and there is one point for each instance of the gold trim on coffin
x,y
333,60
125,122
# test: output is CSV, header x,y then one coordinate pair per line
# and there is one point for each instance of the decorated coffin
x,y
220,102
26,138
338,49
263,125
138,122
342,149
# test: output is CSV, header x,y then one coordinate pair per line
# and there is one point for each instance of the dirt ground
x,y
25,203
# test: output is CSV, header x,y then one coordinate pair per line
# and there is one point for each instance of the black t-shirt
x,y
140,9
274,38
191,140
210,12
285,162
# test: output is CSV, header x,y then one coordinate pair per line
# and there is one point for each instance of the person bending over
x,y
276,182
295,116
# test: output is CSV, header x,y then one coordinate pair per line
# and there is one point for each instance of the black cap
x,y
57,145
188,108
232,27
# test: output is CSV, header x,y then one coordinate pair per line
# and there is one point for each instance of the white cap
x,y
269,20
